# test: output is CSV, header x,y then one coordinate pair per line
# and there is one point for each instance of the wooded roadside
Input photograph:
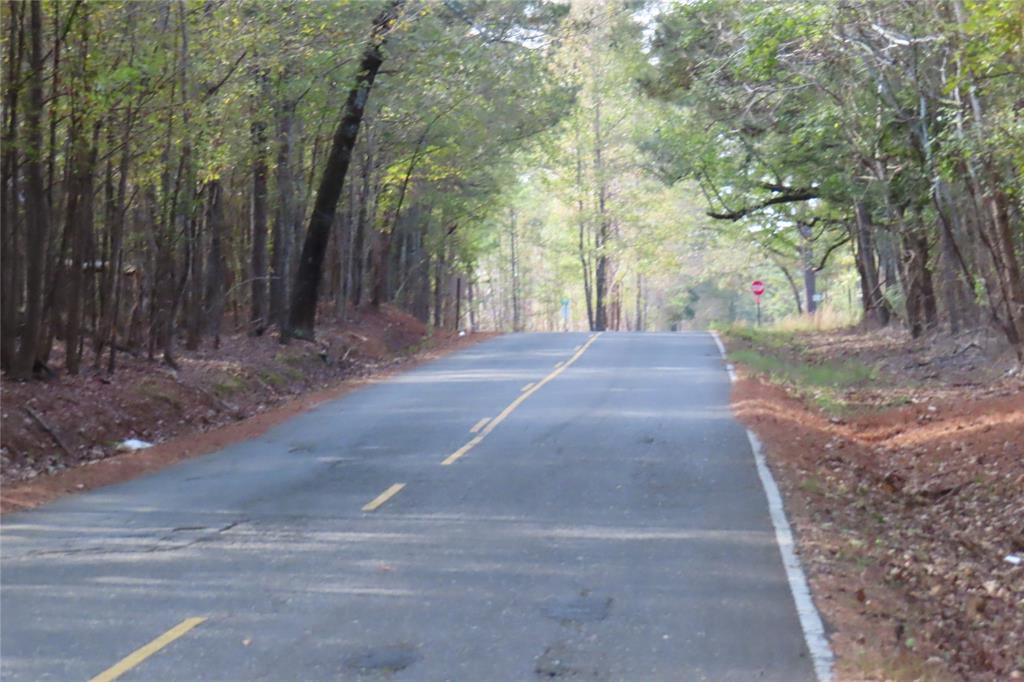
x,y
902,467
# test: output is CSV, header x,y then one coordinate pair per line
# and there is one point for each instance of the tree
x,y
307,279
37,218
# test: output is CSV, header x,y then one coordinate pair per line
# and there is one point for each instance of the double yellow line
x,y
484,427
530,390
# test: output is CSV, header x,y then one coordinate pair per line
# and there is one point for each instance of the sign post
x,y
757,286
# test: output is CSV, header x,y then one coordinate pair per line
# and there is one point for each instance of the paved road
x,y
610,525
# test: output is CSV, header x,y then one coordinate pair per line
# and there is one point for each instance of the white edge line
x,y
810,619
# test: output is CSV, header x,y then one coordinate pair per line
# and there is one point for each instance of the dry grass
x,y
826,318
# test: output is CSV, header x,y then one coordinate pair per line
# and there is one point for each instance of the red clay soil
x,y
218,397
905,518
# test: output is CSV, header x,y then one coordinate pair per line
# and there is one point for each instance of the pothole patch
x,y
389,658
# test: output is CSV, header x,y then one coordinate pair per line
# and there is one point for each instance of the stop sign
x,y
757,286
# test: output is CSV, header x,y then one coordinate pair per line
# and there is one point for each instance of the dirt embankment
x,y
906,488
62,435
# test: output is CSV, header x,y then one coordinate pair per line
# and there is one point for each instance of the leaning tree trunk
x,y
302,318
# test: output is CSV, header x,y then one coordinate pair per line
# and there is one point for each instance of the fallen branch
x,y
49,429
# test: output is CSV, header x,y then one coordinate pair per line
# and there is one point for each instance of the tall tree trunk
x,y
439,270
601,275
471,302
951,260
284,217
79,227
36,216
875,306
639,326
380,259
11,277
79,216
302,318
807,264
918,288
421,299
344,245
258,231
517,318
116,264
358,257
582,223
458,303
190,289
214,294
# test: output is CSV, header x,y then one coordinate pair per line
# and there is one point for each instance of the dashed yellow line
x,y
480,424
376,502
527,392
139,655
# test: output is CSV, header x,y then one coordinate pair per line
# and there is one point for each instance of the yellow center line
x,y
493,424
383,497
527,387
139,655
480,424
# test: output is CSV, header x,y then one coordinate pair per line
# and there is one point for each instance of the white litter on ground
x,y
133,444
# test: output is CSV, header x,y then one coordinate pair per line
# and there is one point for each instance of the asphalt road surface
x,y
606,523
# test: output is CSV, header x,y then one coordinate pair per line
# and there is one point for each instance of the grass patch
x,y
821,383
901,666
803,374
272,378
779,353
812,485
761,336
228,385
154,391
293,361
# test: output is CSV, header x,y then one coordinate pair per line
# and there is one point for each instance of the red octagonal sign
x,y
757,286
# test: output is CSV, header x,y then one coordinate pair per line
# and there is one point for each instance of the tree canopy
x,y
180,169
